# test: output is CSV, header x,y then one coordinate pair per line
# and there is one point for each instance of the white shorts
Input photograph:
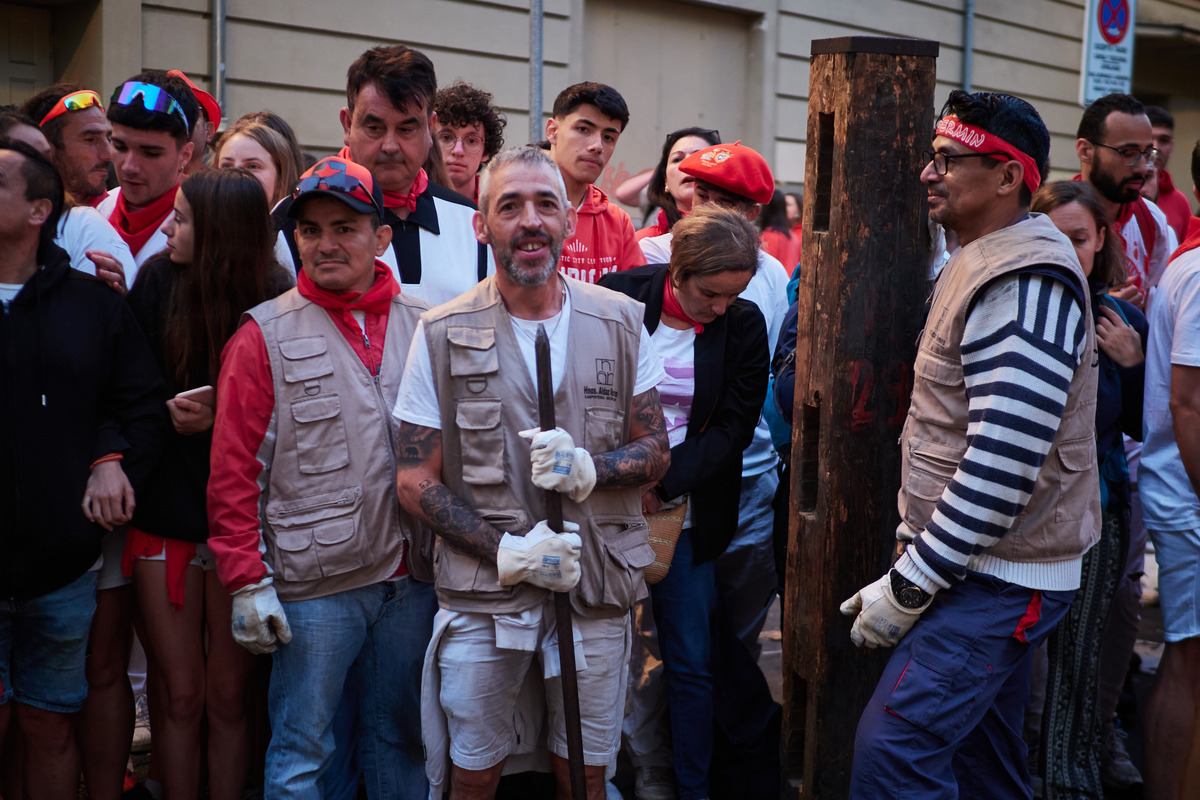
x,y
481,682
111,547
1178,556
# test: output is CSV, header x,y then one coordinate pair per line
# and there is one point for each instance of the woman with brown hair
x,y
263,144
1080,705
189,300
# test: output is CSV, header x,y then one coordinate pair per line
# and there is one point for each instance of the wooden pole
x,y
862,292
562,600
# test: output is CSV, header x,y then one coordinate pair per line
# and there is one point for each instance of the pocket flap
x,y
514,522
316,408
632,544
302,347
314,508
339,530
472,351
478,415
1078,455
294,540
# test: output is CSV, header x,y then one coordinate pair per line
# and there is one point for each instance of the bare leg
x,y
593,776
470,784
1190,785
228,668
1170,714
105,724
174,642
51,759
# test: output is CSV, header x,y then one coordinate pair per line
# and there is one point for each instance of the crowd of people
x,y
429,421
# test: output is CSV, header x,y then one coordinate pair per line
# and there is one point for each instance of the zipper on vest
x,y
341,501
370,368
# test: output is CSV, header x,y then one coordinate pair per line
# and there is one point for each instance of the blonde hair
x,y
282,152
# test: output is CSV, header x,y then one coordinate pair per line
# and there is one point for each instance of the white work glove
x,y
541,557
258,618
881,620
559,465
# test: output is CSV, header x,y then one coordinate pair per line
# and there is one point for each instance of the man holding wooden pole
x,y
999,493
475,465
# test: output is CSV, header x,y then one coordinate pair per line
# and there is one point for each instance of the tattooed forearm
x,y
646,458
457,523
416,444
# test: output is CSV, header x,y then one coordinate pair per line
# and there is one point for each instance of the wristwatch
x,y
907,593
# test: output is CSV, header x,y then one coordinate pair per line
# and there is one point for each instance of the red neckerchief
x,y
98,199
1191,241
672,308
1165,184
375,302
395,199
136,227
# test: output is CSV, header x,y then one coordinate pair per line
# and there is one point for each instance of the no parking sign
x,y
1107,49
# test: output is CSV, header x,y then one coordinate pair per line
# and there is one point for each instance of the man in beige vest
x,y
327,573
999,490
473,465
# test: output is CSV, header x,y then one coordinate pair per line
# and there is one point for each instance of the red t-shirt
x,y
604,241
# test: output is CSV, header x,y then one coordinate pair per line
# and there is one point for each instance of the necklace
x,y
520,324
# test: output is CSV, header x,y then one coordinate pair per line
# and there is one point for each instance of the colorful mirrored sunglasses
x,y
153,98
75,101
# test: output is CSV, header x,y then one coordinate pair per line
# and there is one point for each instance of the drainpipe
x,y
535,71
968,42
218,56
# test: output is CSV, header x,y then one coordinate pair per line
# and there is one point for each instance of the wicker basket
x,y
665,527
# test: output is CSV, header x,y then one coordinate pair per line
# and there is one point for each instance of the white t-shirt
x,y
417,400
767,290
678,389
1169,500
84,228
8,291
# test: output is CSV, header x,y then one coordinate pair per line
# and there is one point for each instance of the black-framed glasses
x,y
941,161
1131,155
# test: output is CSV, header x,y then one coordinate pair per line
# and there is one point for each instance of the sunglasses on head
x,y
336,179
152,98
75,101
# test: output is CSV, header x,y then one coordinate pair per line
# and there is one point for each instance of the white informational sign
x,y
1107,49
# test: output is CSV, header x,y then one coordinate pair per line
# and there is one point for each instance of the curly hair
x,y
460,104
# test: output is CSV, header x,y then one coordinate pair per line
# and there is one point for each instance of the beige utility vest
x,y
1062,519
330,516
487,395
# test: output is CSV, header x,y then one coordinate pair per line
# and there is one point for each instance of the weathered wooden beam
x,y
862,293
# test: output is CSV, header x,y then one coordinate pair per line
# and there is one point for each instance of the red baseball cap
x,y
212,109
340,179
735,168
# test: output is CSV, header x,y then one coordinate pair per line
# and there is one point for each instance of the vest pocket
x,y
481,440
315,536
461,572
1075,457
472,351
928,469
305,358
321,444
616,553
603,428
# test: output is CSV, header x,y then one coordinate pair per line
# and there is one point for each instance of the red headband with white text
x,y
980,140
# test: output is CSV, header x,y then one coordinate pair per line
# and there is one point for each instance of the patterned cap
x,y
342,180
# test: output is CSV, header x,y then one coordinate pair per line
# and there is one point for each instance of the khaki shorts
x,y
481,682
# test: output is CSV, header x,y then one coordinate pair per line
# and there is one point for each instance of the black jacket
x,y
732,363
77,381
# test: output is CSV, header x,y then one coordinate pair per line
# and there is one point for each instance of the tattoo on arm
x,y
647,456
457,523
415,444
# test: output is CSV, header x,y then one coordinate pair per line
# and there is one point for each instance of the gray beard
x,y
539,277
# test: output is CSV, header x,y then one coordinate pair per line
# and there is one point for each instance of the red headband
x,y
980,140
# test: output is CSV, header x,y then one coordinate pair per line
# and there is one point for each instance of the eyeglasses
x,y
941,161
1131,155
472,143
153,98
75,101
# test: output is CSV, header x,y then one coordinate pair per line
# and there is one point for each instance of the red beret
x,y
735,168
209,103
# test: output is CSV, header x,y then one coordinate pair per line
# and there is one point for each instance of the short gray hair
x,y
528,154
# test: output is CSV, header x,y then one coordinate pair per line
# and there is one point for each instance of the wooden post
x,y
862,293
